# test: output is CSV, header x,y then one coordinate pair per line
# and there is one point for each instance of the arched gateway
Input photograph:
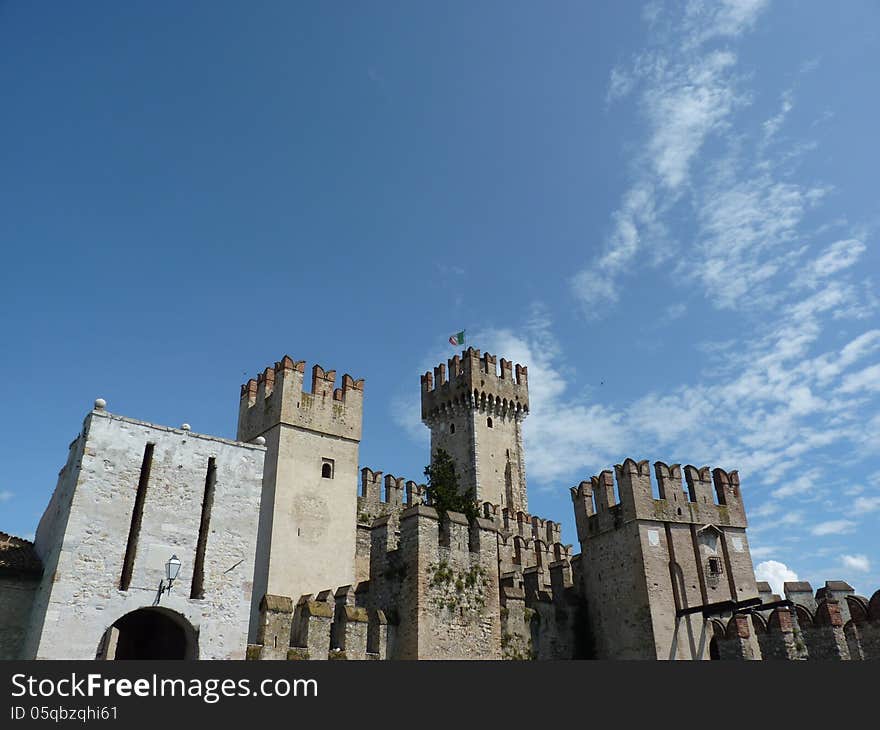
x,y
150,633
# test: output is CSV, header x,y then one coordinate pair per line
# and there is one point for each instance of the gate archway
x,y
150,633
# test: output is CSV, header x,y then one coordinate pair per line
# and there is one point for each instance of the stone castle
x,y
160,542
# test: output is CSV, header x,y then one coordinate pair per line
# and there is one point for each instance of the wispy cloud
x,y
686,94
833,527
5,495
867,379
750,251
866,504
764,551
856,562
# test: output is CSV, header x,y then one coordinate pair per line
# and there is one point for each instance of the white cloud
x,y
772,125
685,106
776,574
708,19
838,256
864,380
791,518
5,495
856,562
684,98
866,504
746,232
833,527
764,551
803,483
765,510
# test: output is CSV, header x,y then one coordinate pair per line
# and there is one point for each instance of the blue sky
x,y
669,212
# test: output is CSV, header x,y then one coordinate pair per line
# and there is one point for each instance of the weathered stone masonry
x,y
287,553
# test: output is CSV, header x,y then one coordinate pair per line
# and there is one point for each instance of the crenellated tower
x,y
476,415
658,571
310,481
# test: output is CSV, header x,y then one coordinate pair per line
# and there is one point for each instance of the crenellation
x,y
471,374
384,494
329,565
603,491
277,395
669,481
597,510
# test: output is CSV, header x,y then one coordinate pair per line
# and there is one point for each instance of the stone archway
x,y
150,633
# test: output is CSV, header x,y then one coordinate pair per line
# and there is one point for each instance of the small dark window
x,y
489,422
327,469
715,567
451,428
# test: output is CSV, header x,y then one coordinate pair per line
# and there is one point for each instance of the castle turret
x,y
309,500
655,571
476,416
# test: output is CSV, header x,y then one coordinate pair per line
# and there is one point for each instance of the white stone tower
x,y
476,416
308,514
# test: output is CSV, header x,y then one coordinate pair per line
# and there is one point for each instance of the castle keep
x,y
162,543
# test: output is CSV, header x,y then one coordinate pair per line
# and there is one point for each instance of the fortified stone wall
x,y
821,627
94,533
20,571
433,593
448,600
331,625
376,500
647,560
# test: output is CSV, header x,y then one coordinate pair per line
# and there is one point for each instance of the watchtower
x,y
657,570
476,416
308,512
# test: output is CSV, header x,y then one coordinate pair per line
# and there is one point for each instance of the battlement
x,y
517,522
476,383
517,554
712,497
422,529
277,396
379,497
333,624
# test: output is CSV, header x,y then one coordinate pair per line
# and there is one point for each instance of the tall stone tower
x,y
476,416
308,514
658,572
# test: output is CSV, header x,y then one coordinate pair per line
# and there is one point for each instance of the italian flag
x,y
457,339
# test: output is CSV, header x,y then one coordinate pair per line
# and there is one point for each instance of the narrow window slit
x,y
198,580
137,516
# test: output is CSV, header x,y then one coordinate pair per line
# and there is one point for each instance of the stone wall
x,y
449,598
647,560
16,600
83,538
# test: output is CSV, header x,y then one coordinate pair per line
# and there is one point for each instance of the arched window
x,y
451,428
489,422
327,469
